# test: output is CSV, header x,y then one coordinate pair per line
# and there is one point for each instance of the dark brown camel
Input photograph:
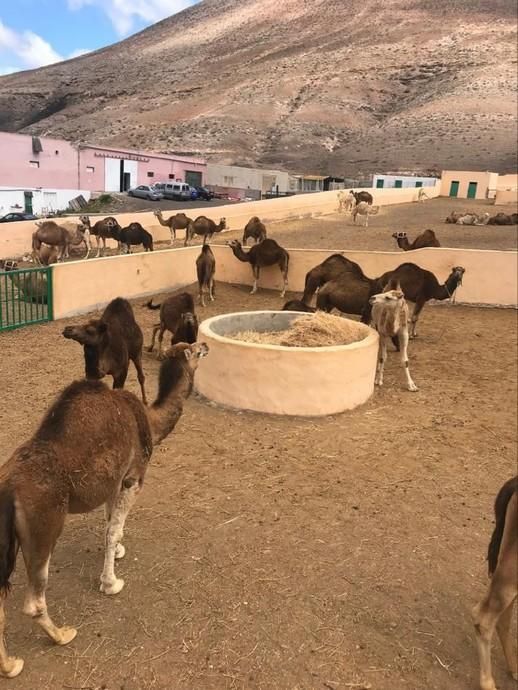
x,y
109,343
350,294
205,227
177,222
205,270
254,229
426,239
171,310
107,228
363,196
496,608
186,330
72,465
503,219
330,269
266,253
134,233
298,305
419,286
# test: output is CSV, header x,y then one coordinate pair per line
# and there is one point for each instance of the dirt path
x,y
271,553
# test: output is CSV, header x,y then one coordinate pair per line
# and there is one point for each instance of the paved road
x,y
132,204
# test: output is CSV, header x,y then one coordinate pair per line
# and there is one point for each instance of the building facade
x,y
469,184
242,182
402,181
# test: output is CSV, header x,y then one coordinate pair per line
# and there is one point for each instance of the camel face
x,y
385,297
458,272
223,223
192,353
399,235
89,334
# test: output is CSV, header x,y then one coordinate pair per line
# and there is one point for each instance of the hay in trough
x,y
311,330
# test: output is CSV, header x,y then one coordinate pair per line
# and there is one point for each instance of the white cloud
x,y
124,14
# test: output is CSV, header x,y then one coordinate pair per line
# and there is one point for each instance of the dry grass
x,y
311,330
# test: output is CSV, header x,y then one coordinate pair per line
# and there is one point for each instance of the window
x,y
151,174
90,168
171,176
228,180
34,164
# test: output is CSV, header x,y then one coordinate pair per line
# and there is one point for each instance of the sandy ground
x,y
285,553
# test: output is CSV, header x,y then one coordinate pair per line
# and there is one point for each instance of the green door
x,y
398,184
193,178
27,202
472,190
454,188
418,184
379,183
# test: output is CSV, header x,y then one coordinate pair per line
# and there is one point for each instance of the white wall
x,y
407,180
112,175
219,176
56,199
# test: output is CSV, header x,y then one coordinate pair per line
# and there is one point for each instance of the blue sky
x,y
34,33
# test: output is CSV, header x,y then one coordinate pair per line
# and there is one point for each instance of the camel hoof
x,y
66,635
120,551
112,587
16,667
413,388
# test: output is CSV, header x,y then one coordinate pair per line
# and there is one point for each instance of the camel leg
x,y
156,328
120,380
98,240
201,296
212,294
160,354
9,665
503,629
255,270
117,513
382,356
415,315
403,345
173,236
284,271
140,376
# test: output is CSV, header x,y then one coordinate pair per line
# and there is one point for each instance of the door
x,y
472,190
27,202
454,188
193,178
380,184
398,184
418,184
126,182
112,175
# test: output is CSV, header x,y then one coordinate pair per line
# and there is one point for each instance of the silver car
x,y
145,191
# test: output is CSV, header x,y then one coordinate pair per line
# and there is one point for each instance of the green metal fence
x,y
25,297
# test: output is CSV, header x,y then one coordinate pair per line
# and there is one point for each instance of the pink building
x,y
43,162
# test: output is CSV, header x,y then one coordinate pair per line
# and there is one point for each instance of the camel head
x,y
234,244
222,224
157,213
458,272
85,220
390,297
190,353
90,333
9,265
399,235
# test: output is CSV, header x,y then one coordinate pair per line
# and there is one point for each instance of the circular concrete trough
x,y
307,381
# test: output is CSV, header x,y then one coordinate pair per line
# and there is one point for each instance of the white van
x,y
174,190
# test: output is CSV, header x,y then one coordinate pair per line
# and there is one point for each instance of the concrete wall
x,y
506,196
507,182
486,182
43,200
234,176
389,181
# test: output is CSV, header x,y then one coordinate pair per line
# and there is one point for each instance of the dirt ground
x,y
286,553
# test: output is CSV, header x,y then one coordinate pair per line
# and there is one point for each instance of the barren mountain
x,y
338,86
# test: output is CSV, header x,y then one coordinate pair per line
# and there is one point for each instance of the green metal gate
x,y
25,297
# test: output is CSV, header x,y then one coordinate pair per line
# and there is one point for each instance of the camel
x,y
419,286
62,469
171,310
362,196
177,222
32,285
426,239
330,269
350,294
496,608
422,195
205,227
186,330
254,229
134,233
61,236
267,253
364,210
390,318
298,305
473,219
102,230
503,219
109,343
205,270
346,202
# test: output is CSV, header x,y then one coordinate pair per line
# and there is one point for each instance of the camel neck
x,y
175,386
240,254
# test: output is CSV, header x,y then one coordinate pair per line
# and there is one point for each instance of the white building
x,y
36,200
243,182
398,181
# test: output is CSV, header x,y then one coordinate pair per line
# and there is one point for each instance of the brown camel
x,y
177,222
362,196
32,285
496,609
205,270
134,233
426,239
349,293
205,227
330,269
254,229
266,253
419,286
186,330
109,343
171,310
107,228
364,209
503,219
60,236
62,469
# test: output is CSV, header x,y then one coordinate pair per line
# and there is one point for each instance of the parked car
x,y
204,193
179,191
145,191
13,217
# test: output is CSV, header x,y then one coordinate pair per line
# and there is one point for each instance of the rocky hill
x,y
329,86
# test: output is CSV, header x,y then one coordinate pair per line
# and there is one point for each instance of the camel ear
x,y
187,354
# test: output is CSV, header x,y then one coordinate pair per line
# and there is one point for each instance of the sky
x,y
34,33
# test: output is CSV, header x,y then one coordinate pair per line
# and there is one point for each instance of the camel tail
x,y
150,305
502,501
8,544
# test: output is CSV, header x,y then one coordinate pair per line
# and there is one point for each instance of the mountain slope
x,y
339,86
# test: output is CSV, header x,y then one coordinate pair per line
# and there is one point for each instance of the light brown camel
x,y
171,312
177,222
346,201
266,253
205,227
50,233
109,343
62,469
390,318
205,270
107,228
364,209
419,286
496,608
254,229
426,239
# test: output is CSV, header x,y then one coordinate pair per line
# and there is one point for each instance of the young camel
x,y
390,318
109,343
205,227
62,469
496,609
205,270
254,229
364,210
171,311
177,222
426,239
267,253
